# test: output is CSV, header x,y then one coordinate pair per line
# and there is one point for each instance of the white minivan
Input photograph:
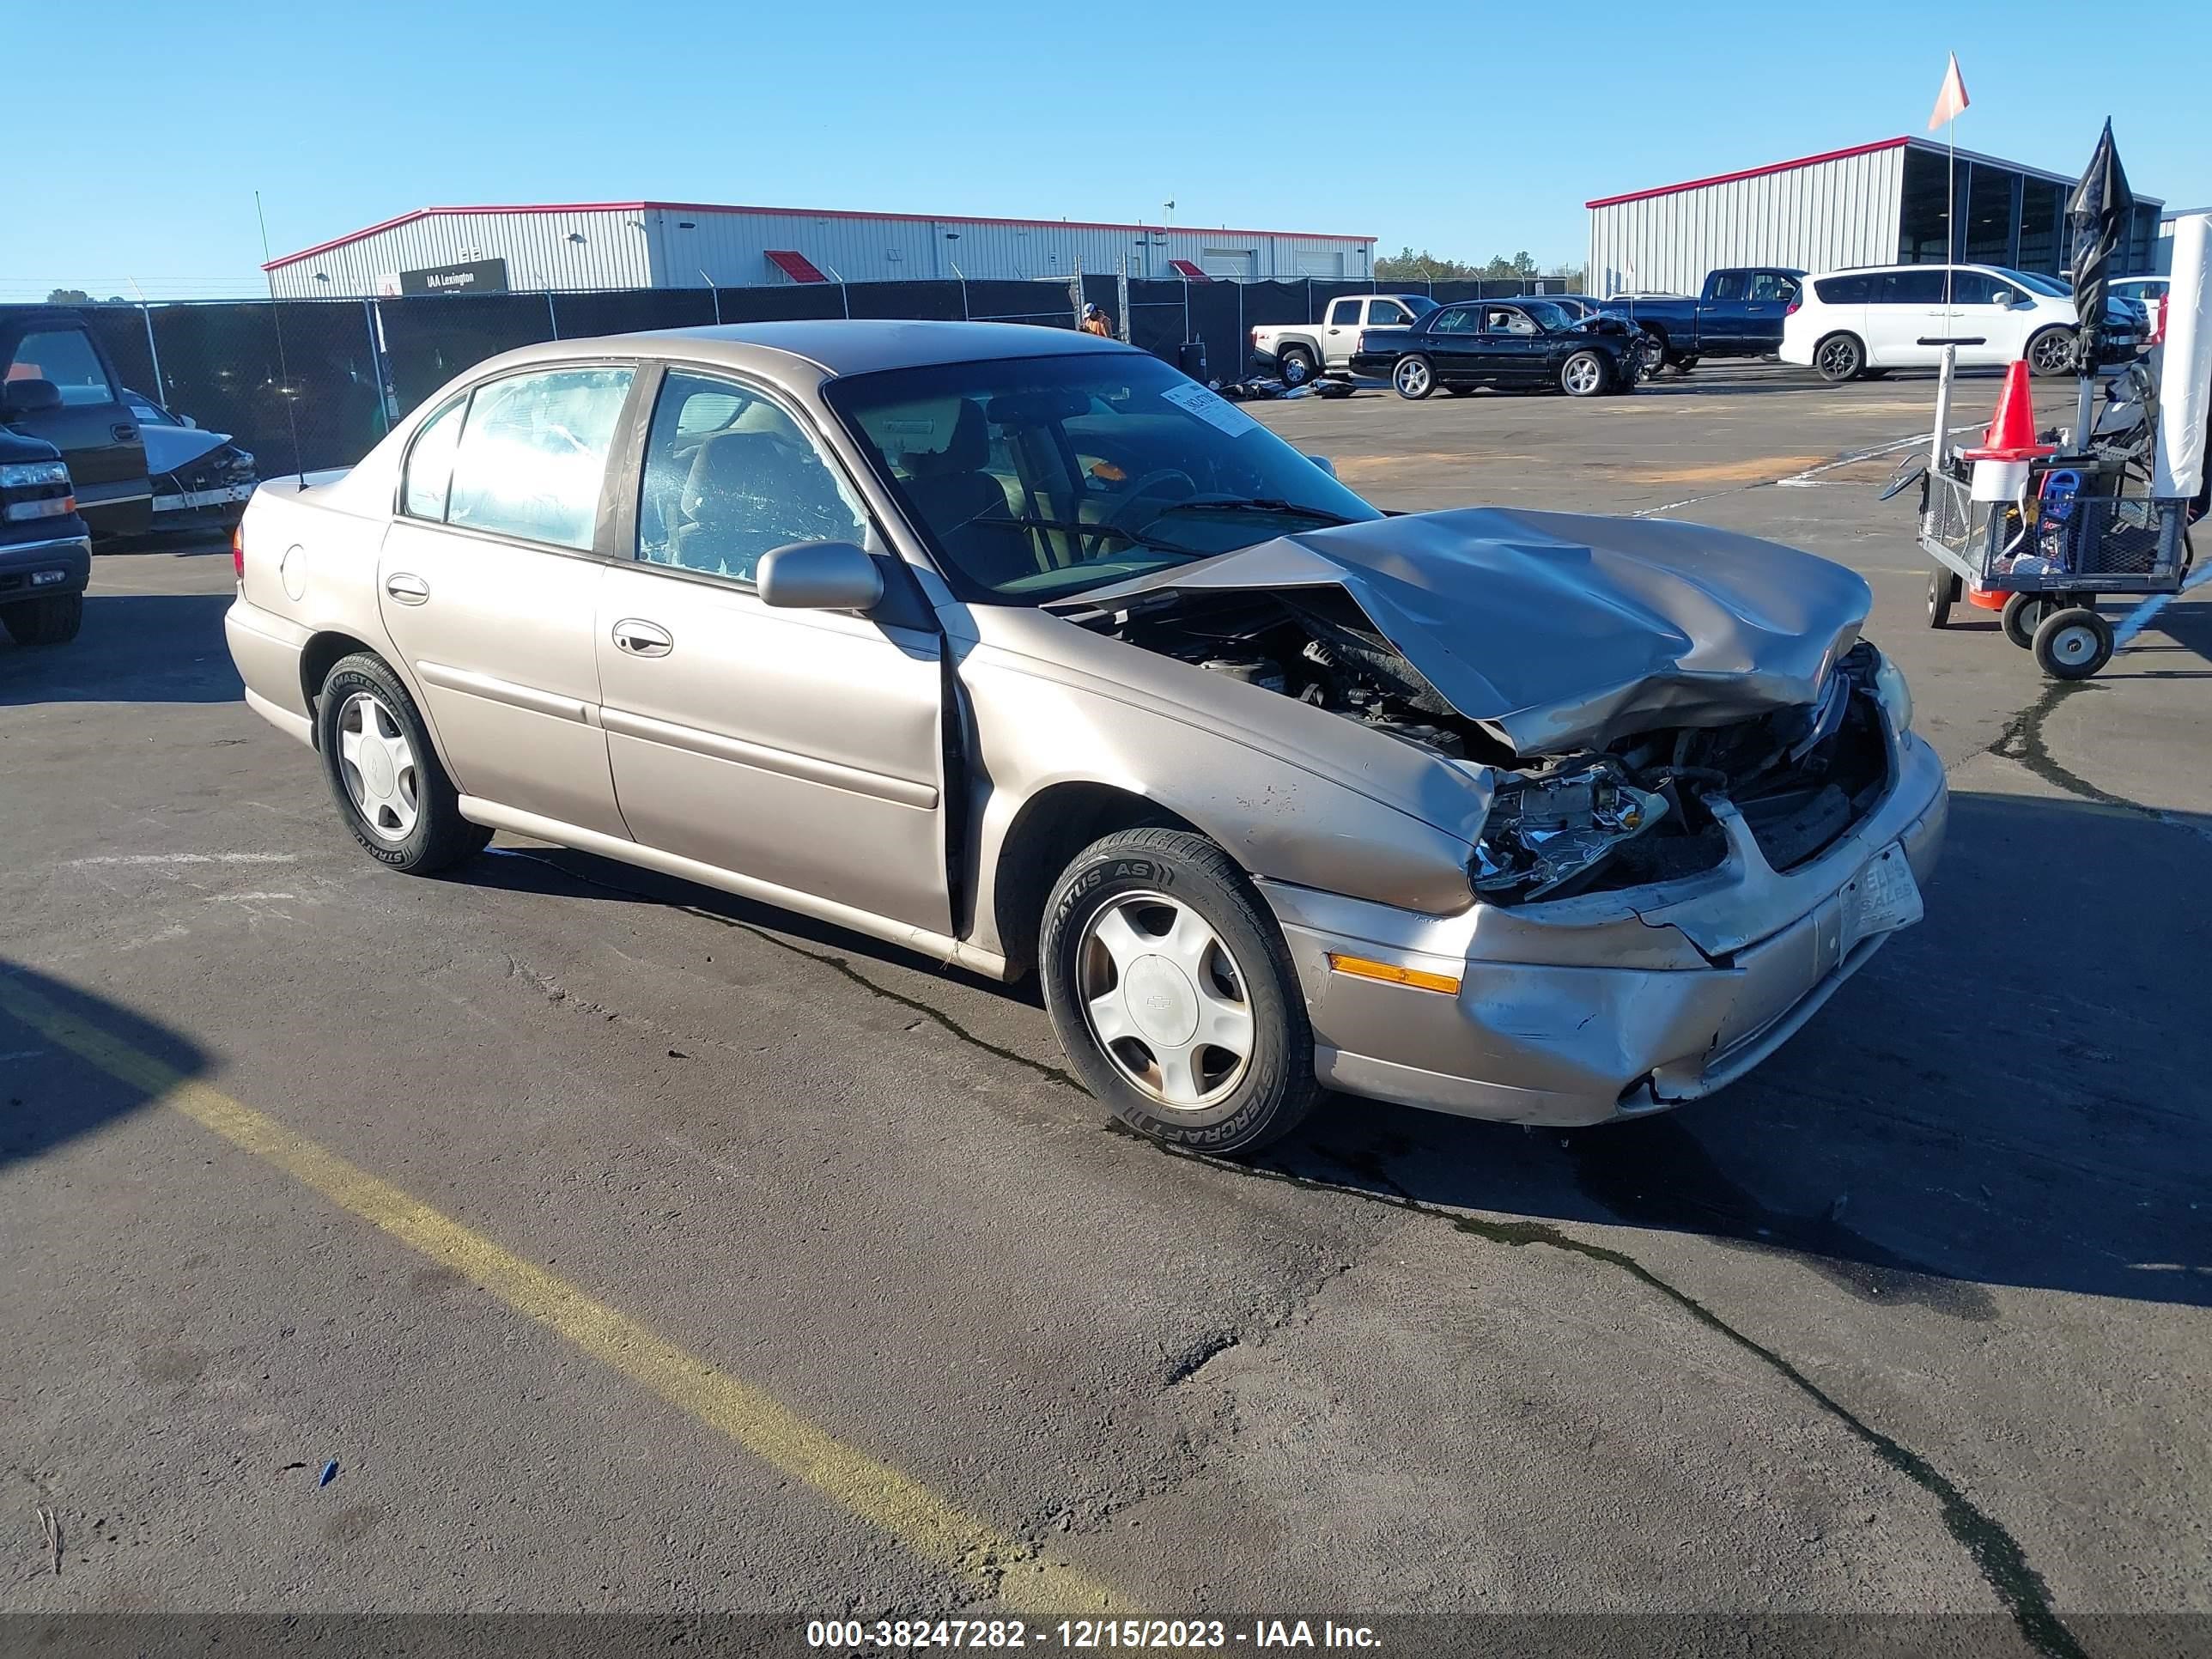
x,y
1849,322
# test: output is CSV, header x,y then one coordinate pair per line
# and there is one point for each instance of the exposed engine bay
x,y
1637,811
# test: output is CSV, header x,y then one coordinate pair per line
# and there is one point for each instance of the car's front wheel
x,y
1414,378
54,620
1172,992
2051,354
390,788
1584,374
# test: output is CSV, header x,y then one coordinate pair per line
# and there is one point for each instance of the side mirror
x,y
819,576
1324,463
29,396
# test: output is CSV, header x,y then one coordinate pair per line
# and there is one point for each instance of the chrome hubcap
x,y
1165,999
1294,370
378,766
1582,375
1413,377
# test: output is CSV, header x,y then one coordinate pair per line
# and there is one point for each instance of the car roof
x,y
832,346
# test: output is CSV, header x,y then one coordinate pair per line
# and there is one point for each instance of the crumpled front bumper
x,y
1609,1004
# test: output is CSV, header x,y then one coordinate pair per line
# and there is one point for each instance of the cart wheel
x,y
2073,644
1942,593
2022,611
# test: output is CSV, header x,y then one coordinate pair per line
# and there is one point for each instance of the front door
x,y
1513,349
92,428
489,582
1340,335
800,748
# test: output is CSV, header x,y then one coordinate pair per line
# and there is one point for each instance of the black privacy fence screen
x,y
314,383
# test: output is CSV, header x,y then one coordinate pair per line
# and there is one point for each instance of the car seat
x,y
965,508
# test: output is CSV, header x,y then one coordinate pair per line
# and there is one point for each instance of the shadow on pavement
x,y
50,1094
2010,1094
134,647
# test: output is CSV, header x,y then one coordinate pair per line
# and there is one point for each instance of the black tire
x,y
1942,594
54,620
2022,614
1655,354
440,837
1586,375
1839,358
1277,1088
1684,365
2050,353
2073,643
1295,364
1413,377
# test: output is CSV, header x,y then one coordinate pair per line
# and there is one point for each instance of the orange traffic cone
x,y
2011,434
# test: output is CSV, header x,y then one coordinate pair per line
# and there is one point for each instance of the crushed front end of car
x,y
1705,806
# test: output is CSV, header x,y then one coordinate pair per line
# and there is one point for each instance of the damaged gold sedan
x,y
1016,648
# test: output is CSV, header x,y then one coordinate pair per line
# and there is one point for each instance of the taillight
x,y
1792,308
237,550
1255,336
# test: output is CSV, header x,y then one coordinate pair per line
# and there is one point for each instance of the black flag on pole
x,y
2099,213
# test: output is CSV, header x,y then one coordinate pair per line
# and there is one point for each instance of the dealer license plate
x,y
1882,897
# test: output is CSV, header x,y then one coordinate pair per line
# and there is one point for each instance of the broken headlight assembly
x,y
1894,696
1547,829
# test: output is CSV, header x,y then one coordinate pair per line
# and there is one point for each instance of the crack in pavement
x,y
1999,1556
2022,741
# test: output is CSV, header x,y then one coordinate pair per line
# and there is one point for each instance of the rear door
x,y
1906,318
1339,334
1767,297
1453,343
488,585
94,429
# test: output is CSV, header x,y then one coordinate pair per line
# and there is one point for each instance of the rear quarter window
x,y
1842,290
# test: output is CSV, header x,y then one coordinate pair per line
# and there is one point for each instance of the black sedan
x,y
1527,343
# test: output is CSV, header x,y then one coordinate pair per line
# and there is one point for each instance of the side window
x,y
729,475
1973,288
65,356
1842,290
1383,314
1459,319
1909,287
1728,285
1771,287
533,454
1344,313
430,462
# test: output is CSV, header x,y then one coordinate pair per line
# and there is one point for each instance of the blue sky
x,y
1475,131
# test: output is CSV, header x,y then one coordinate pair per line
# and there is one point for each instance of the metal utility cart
x,y
2067,538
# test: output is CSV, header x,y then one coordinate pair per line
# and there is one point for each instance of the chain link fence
x,y
343,371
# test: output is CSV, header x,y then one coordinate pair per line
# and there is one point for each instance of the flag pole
x,y
1952,247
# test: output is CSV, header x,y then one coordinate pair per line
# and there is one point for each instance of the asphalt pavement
x,y
629,1246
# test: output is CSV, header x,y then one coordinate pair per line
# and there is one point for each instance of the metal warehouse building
x,y
629,245
1880,204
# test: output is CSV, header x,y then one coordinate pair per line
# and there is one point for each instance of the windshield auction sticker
x,y
1214,411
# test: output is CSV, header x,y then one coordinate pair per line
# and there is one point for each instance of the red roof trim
x,y
1189,270
799,213
1750,173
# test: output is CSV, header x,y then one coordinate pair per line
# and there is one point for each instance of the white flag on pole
x,y
1953,99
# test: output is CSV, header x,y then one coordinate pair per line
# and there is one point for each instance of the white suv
x,y
1849,322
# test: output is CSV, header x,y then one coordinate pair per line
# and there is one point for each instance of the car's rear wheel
x,y
390,788
1296,365
1840,357
2051,354
54,620
1414,378
1584,374
1172,992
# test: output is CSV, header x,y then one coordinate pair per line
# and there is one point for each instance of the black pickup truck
x,y
1739,314
46,552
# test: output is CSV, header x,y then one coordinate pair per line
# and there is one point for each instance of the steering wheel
x,y
1149,485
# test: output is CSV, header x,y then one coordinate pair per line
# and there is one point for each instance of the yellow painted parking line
x,y
928,1524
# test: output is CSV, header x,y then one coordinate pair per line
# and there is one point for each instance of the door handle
x,y
642,639
123,432
406,588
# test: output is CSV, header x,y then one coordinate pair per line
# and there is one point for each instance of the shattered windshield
x,y
1035,477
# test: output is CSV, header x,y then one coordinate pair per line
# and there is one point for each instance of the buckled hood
x,y
1557,631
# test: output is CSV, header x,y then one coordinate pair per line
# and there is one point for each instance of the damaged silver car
x,y
1016,648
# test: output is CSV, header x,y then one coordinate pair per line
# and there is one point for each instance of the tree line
x,y
1406,266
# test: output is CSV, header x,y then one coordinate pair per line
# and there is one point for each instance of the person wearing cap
x,y
1094,322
